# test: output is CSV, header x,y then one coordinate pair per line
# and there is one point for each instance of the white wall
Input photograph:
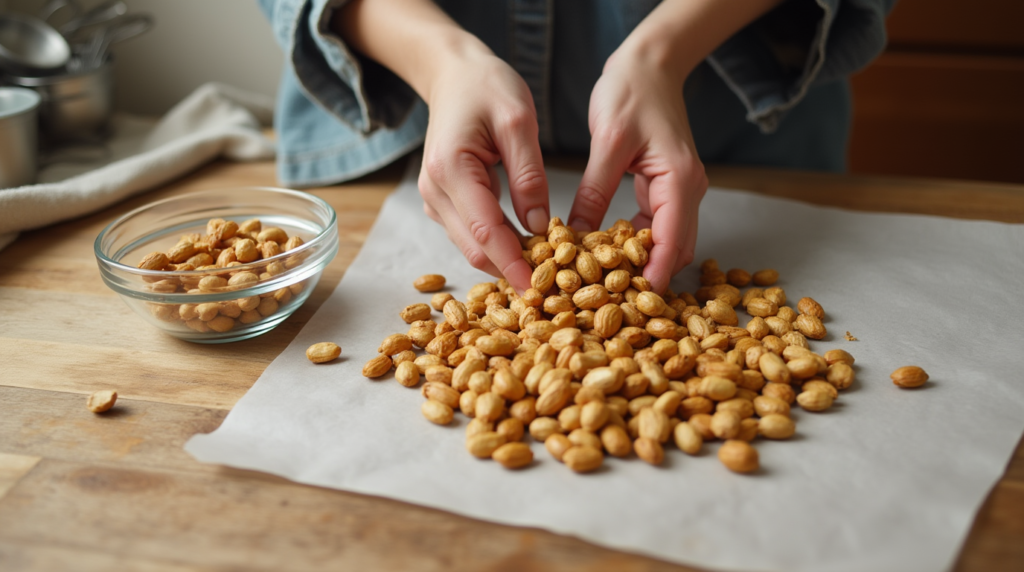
x,y
193,42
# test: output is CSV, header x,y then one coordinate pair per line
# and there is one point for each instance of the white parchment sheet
x,y
888,479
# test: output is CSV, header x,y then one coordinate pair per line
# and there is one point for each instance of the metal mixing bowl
x,y
75,105
29,45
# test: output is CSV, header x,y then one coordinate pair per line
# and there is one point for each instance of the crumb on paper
x,y
849,337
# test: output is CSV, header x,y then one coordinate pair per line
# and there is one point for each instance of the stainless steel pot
x,y
74,105
18,136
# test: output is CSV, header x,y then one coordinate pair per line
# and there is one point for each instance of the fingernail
x,y
538,220
519,275
580,225
656,286
658,283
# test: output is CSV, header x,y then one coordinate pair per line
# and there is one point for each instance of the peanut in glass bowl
x,y
172,301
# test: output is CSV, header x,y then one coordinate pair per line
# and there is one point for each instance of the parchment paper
x,y
888,479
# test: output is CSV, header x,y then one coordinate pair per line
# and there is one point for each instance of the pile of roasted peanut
x,y
225,246
591,362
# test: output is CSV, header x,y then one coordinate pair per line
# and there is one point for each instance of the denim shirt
x,y
774,94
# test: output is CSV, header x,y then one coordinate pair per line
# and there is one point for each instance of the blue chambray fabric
x,y
775,94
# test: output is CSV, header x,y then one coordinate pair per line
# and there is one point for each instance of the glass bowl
x,y
213,304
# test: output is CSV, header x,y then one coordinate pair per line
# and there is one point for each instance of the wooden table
x,y
85,492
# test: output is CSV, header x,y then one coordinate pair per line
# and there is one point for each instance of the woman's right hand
x,y
481,112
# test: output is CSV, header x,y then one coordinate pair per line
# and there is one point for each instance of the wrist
x,y
445,54
677,35
413,38
669,41
654,55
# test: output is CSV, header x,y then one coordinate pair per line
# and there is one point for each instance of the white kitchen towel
x,y
214,121
887,479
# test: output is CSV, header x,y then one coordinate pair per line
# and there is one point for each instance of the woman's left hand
x,y
638,125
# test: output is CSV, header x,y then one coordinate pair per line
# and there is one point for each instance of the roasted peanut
x,y
592,360
738,456
323,352
437,412
483,445
909,376
814,400
101,401
513,455
583,459
377,366
776,426
429,283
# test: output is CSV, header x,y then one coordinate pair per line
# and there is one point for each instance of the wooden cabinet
x,y
946,99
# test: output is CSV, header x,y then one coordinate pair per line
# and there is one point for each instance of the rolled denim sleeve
x,y
772,63
359,91
338,115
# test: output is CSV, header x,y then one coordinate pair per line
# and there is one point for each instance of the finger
x,y
641,186
516,139
496,188
482,220
433,214
448,216
668,228
610,156
686,252
675,200
519,236
430,194
689,242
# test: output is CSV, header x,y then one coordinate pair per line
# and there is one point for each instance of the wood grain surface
x,y
88,492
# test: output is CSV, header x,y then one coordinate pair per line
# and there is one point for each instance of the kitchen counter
x,y
80,491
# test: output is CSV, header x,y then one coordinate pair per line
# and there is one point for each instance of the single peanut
x,y
616,441
687,438
583,459
810,326
776,426
557,444
814,400
437,412
909,376
513,455
407,374
101,401
323,352
738,456
429,283
765,277
377,366
483,445
649,450
543,427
